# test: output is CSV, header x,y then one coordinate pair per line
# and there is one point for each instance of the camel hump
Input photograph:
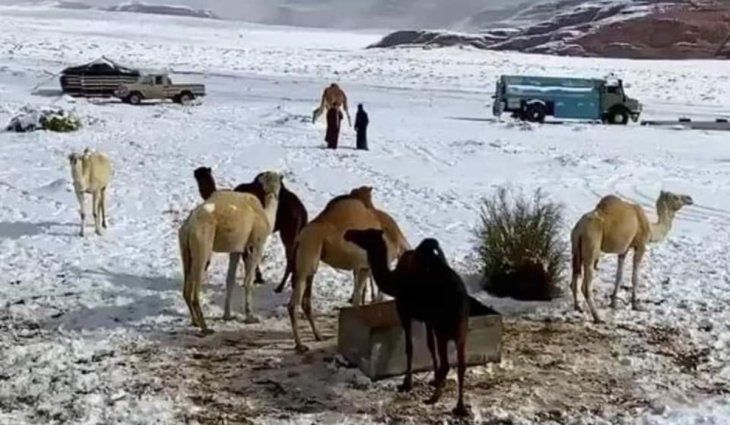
x,y
608,201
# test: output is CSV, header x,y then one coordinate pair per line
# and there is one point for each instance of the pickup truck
x,y
533,98
158,86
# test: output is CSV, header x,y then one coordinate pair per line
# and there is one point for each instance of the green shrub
x,y
519,244
45,118
60,122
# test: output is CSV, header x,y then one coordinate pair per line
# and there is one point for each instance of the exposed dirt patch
x,y
552,371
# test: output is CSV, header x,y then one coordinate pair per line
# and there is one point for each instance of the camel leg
x,y
408,379
294,302
96,211
288,240
233,259
638,256
259,277
252,261
432,350
574,288
460,409
307,307
619,278
442,341
82,211
103,207
347,111
588,291
358,294
196,279
188,295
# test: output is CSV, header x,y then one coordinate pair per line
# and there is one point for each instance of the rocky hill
x,y
642,29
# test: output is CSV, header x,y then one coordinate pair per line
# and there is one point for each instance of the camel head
x,y
271,183
672,201
365,239
202,172
365,194
77,163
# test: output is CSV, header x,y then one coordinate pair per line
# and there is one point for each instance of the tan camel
x,y
395,240
615,227
332,97
323,240
231,222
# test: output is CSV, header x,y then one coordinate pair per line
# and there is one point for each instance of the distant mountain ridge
x,y
139,7
639,29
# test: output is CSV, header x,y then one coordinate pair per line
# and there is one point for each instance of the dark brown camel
x,y
291,215
428,290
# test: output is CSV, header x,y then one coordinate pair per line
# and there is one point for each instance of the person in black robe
x,y
361,127
334,118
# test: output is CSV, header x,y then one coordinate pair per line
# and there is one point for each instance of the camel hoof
x,y
433,400
436,383
227,317
301,348
405,387
578,308
278,289
460,411
206,332
252,320
598,320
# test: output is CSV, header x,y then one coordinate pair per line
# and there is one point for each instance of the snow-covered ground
x,y
95,330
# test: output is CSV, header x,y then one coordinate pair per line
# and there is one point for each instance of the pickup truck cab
x,y
158,86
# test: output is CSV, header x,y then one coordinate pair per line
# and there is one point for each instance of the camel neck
x,y
663,226
271,204
384,277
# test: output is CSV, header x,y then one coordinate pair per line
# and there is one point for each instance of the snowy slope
x,y
95,330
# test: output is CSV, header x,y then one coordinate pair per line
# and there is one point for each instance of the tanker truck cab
x,y
616,106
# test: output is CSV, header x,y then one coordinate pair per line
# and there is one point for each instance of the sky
x,y
399,14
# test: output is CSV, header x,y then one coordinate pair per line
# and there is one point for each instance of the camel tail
x,y
185,255
290,268
577,259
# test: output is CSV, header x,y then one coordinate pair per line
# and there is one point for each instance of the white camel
x,y
231,222
91,173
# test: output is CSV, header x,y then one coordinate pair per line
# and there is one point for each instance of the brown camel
x,y
332,97
231,222
395,238
322,240
615,227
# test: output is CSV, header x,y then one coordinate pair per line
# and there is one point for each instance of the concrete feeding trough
x,y
371,338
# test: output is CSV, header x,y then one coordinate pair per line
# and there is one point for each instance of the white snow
x,y
95,329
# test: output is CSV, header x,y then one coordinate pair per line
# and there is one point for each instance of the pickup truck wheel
x,y
134,98
535,112
618,116
185,98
